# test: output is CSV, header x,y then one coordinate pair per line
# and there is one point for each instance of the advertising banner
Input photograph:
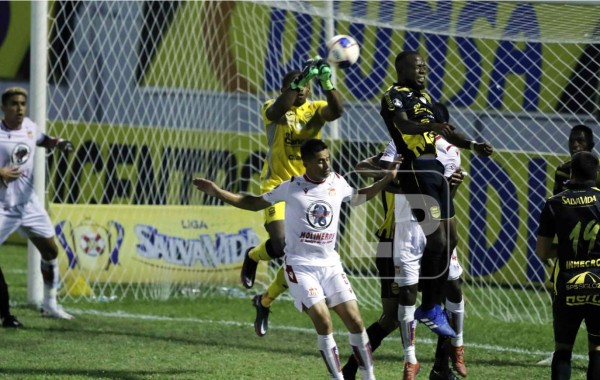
x,y
156,244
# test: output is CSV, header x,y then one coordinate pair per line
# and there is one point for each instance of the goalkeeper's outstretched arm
x,y
245,202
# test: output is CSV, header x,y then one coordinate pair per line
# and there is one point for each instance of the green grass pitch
x,y
213,338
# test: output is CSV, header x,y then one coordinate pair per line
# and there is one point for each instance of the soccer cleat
x,y
411,370
261,323
248,270
55,312
442,375
11,322
457,355
436,319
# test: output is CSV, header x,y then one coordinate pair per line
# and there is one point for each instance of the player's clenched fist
x,y
64,145
483,148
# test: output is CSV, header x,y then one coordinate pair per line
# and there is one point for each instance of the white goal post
x,y
154,93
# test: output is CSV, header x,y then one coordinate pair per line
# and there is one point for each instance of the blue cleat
x,y
436,320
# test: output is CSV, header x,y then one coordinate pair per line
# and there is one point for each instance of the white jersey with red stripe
x,y
17,148
312,212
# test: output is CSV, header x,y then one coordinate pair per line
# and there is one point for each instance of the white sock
x,y
329,352
361,348
456,316
50,275
406,317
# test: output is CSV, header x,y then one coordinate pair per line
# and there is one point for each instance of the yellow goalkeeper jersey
x,y
284,139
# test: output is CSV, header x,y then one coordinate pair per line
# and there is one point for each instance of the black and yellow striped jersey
x,y
418,107
573,216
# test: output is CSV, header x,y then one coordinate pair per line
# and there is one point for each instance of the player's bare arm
x,y
294,92
382,166
50,142
282,104
545,249
367,193
460,140
246,202
370,168
455,180
410,127
334,108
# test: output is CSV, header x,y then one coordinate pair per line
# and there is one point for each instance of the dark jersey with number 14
x,y
574,217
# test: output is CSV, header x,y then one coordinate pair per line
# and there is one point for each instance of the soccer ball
x,y
342,51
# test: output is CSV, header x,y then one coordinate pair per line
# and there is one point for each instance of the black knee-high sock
x,y
376,334
593,371
441,354
4,298
561,365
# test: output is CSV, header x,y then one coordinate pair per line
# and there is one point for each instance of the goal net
x,y
155,93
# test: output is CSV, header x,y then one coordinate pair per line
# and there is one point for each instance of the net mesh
x,y
155,93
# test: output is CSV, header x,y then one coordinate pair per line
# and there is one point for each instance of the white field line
x,y
121,314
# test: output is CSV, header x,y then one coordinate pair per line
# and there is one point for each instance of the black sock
x,y
441,363
4,298
376,334
561,365
593,371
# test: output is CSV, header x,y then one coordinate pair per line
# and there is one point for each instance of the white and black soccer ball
x,y
342,51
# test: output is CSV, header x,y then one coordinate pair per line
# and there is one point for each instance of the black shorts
x,y
567,320
426,176
384,261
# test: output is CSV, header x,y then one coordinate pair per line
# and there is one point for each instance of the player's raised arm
x,y
294,91
246,202
334,108
366,193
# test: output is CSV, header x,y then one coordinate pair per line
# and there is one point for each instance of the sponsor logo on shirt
x,y
20,154
585,280
319,215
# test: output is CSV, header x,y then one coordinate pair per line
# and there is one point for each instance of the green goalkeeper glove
x,y
309,71
325,76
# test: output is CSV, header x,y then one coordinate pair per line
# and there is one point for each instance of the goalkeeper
x,y
290,119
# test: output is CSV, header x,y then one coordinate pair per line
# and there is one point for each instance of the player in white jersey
x,y
20,208
314,271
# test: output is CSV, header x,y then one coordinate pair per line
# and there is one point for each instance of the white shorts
x,y
409,244
455,270
30,219
311,284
